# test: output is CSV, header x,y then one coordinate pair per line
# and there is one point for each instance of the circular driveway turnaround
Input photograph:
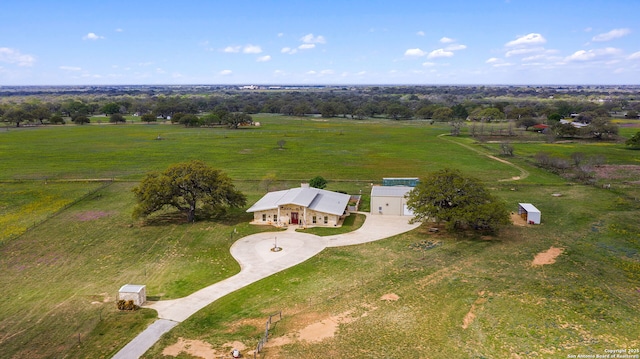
x,y
257,261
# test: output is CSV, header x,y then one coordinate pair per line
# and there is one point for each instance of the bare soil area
x,y
201,349
547,257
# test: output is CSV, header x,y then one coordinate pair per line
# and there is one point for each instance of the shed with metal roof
x,y
390,200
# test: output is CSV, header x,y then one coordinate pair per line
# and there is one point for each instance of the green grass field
x,y
60,277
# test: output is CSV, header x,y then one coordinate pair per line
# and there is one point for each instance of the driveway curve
x,y
258,261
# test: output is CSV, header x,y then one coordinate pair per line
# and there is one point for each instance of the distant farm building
x,y
529,213
303,206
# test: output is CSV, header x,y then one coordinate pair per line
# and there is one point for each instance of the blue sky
x,y
69,42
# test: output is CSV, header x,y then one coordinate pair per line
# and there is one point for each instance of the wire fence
x,y
265,338
105,183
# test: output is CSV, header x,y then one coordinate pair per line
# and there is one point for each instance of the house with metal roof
x,y
390,200
304,206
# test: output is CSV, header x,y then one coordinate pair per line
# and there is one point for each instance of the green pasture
x,y
336,149
61,276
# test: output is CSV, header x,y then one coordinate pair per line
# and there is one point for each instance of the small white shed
x,y
135,292
529,213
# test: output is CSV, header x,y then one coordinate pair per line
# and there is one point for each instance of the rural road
x,y
523,173
257,261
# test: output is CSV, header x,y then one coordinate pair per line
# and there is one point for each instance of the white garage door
x,y
406,211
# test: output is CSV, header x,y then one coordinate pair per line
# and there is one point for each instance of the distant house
x,y
303,206
574,124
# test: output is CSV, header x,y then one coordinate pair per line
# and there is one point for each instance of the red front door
x,y
294,217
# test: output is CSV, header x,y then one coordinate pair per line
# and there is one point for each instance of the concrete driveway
x,y
257,261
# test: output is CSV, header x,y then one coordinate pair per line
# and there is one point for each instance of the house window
x,y
275,218
264,217
314,219
326,219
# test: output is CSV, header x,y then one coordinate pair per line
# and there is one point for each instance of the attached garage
x,y
529,213
390,200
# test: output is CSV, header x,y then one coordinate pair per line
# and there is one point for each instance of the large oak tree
x,y
459,201
187,187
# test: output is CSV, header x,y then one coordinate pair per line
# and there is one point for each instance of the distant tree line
x,y
525,107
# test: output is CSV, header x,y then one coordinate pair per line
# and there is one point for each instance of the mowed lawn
x,y
60,278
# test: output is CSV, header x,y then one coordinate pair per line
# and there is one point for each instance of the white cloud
x,y
524,51
280,34
526,40
252,49
311,72
264,58
414,52
288,50
428,64
70,68
225,72
447,40
327,72
583,55
231,49
456,47
420,33
159,70
634,56
361,73
92,36
13,56
439,53
613,34
306,46
497,62
311,39
119,30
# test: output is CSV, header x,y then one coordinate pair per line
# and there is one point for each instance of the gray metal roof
x,y
313,198
132,288
390,191
529,207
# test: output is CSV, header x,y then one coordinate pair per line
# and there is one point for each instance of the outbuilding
x,y
529,213
390,200
135,292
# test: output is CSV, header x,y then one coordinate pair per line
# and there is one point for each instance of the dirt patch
x,y
91,215
316,331
471,315
196,348
200,349
547,257
390,297
517,220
